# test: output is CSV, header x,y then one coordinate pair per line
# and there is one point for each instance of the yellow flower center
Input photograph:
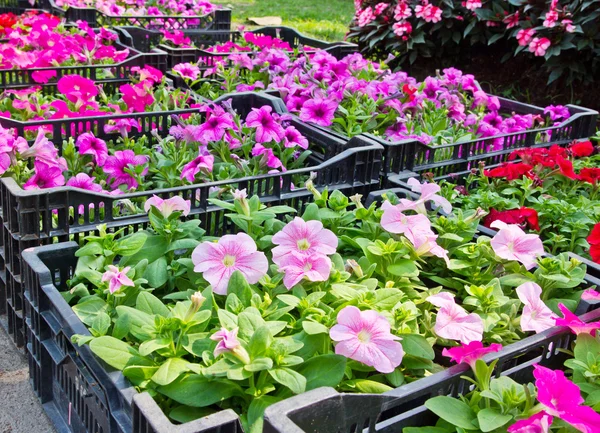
x,y
303,245
229,261
364,336
307,267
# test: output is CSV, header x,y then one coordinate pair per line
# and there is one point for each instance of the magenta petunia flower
x,y
77,89
88,144
217,123
590,295
557,112
169,205
471,352
218,261
307,238
561,398
45,176
83,181
136,96
123,126
293,138
537,423
187,70
192,168
268,156
117,278
319,111
365,337
453,322
297,267
573,322
115,168
43,150
267,128
536,315
512,243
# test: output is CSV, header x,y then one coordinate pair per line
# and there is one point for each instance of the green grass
x,y
323,19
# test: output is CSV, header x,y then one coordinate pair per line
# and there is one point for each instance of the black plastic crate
x,y
324,410
144,40
77,392
16,7
219,19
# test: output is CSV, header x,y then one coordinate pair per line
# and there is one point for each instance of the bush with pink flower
x,y
563,33
335,295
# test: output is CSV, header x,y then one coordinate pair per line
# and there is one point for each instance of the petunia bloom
x,y
218,261
88,144
200,163
537,423
365,337
512,243
124,159
471,352
83,181
574,323
581,148
297,267
394,221
318,111
168,206
594,241
429,192
536,315
307,238
187,70
525,217
45,176
590,295
229,343
453,322
267,128
117,278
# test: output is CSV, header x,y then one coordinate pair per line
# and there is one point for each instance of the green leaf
x,y
157,273
313,328
138,320
260,341
117,353
121,328
452,410
184,414
148,303
403,268
425,430
289,378
197,391
259,364
130,245
138,374
151,346
323,370
227,320
90,249
491,419
239,286
416,345
89,309
170,370
367,386
256,411
101,324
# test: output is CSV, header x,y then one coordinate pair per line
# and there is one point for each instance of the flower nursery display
x,y
248,42
551,191
41,40
155,7
353,96
339,295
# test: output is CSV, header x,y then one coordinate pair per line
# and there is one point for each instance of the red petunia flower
x,y
590,175
581,149
409,91
594,241
566,168
511,171
524,217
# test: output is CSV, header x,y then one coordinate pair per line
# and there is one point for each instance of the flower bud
x,y
354,267
197,300
356,199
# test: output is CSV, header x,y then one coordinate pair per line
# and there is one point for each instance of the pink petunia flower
x,y
453,322
267,129
590,295
537,423
293,137
43,76
561,398
298,266
117,278
123,126
83,181
428,192
77,89
168,206
115,168
229,343
88,144
411,226
573,322
307,238
187,70
136,96
536,315
45,176
268,156
318,111
217,123
470,353
365,337
200,163
218,261
512,243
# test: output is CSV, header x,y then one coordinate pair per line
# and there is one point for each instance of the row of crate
x,y
81,394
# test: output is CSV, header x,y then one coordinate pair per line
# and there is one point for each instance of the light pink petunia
x,y
590,295
187,70
573,322
168,206
228,341
512,243
429,192
536,315
297,266
453,322
304,237
471,352
411,226
537,423
218,261
117,278
365,337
